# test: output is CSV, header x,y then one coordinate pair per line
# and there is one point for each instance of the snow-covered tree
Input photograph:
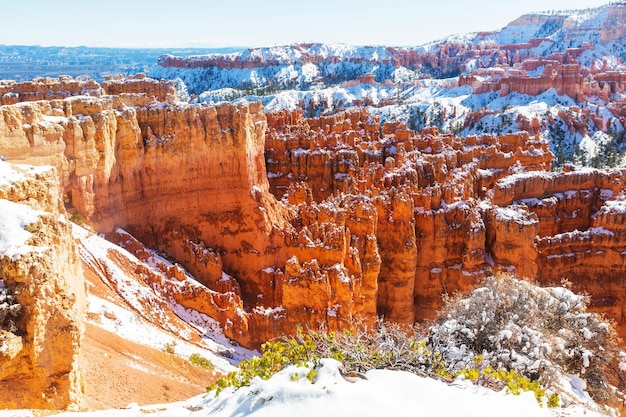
x,y
545,334
181,90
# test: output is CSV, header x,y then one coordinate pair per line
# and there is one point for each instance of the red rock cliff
x,y
365,224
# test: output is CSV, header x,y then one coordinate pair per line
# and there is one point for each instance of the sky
x,y
210,23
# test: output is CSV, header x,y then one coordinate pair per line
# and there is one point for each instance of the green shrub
x,y
199,360
388,347
508,334
554,401
78,218
276,355
169,348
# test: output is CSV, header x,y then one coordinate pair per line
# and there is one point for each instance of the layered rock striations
x,y
451,210
159,90
12,92
573,223
430,234
558,72
287,221
190,181
178,176
561,40
42,294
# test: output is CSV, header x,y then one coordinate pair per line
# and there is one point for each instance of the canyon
x,y
557,74
591,38
270,221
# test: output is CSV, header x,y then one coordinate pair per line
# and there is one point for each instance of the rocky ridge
x,y
587,37
556,74
42,295
284,220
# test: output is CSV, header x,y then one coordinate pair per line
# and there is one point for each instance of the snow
x,y
94,249
579,386
517,214
289,393
511,180
126,322
323,78
612,207
49,121
8,174
274,312
16,413
12,173
128,325
14,219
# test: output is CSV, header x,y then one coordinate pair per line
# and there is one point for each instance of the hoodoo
x,y
317,221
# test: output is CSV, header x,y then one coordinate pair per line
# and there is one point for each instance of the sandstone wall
x,y
315,221
431,234
159,90
12,92
151,168
470,212
190,181
40,271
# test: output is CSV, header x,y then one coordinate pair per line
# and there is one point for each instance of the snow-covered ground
x,y
394,393
141,302
320,78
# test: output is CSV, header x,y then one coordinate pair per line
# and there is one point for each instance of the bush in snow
x,y
543,334
385,346
199,360
276,356
509,334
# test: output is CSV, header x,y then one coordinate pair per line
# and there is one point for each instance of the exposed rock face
x,y
43,294
561,37
140,84
465,215
613,27
570,226
372,220
430,233
558,73
12,92
161,170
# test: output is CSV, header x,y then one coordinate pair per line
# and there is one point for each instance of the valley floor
x,y
118,372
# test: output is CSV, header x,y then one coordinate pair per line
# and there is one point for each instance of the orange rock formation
x,y
430,235
556,72
285,220
40,338
12,92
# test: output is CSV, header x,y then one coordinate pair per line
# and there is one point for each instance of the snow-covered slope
x,y
305,65
300,66
381,392
409,84
149,314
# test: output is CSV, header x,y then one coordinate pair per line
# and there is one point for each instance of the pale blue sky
x,y
161,23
